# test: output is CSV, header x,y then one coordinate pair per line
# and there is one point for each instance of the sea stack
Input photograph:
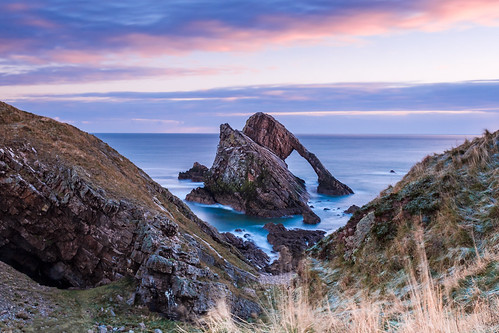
x,y
250,175
268,132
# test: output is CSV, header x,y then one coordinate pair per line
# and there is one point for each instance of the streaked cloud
x,y
23,74
159,121
90,31
451,108
352,113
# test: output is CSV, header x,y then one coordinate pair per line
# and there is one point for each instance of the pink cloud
x,y
76,57
217,36
16,7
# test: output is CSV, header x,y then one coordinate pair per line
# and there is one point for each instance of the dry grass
x,y
426,309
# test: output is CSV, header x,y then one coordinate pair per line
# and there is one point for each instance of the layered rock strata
x,y
75,213
252,179
268,132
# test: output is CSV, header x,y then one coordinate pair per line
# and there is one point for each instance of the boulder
x,y
352,209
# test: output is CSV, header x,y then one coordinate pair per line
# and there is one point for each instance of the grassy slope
x,y
453,197
429,261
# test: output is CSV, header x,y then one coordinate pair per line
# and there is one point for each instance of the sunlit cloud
x,y
90,35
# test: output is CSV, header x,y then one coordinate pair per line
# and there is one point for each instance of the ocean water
x,y
363,162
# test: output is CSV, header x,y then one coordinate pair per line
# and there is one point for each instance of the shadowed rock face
x,y
252,179
75,213
268,132
290,244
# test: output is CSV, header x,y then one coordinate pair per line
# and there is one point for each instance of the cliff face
x,y
75,213
268,132
251,179
451,200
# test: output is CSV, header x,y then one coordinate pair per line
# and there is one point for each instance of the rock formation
x,y
291,245
196,173
252,179
268,132
352,209
75,213
248,248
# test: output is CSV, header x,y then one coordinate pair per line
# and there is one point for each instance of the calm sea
x,y
361,162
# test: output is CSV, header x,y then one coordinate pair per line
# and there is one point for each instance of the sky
x,y
318,66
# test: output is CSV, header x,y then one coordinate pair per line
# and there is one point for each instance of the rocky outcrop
x,y
75,213
268,132
291,245
249,250
196,173
352,209
252,179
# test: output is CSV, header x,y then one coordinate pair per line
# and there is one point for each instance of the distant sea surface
x,y
361,162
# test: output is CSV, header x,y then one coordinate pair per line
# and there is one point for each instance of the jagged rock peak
x,y
268,132
252,179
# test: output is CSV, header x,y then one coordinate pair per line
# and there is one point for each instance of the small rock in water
x,y
247,235
312,206
392,171
239,230
327,208
352,209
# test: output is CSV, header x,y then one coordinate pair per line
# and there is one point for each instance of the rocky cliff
x,y
448,202
75,213
268,132
252,179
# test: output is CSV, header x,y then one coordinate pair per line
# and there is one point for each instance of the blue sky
x,y
338,66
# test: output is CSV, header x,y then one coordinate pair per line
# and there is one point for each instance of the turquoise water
x,y
361,162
